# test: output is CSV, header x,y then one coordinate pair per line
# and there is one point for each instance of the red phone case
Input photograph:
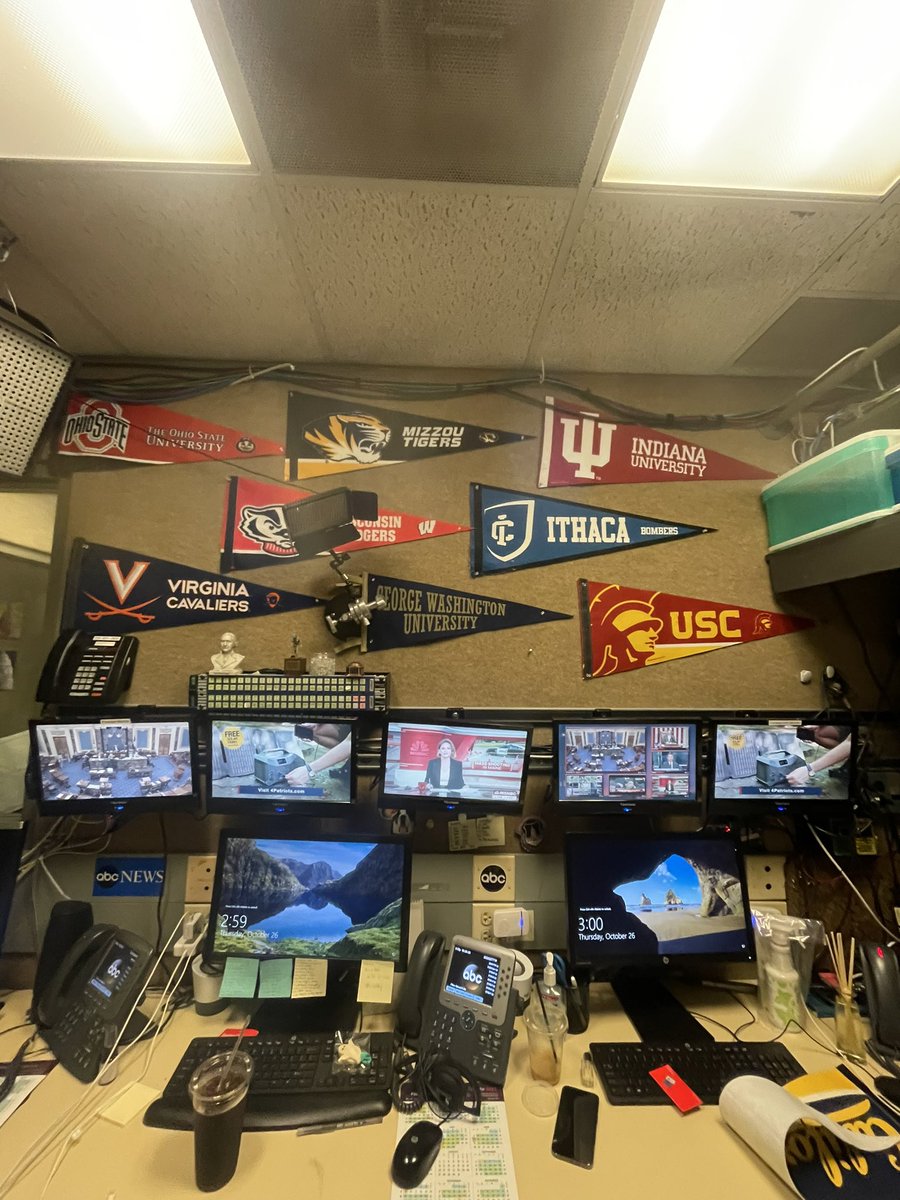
x,y
676,1089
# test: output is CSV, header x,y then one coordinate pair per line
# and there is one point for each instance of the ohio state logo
x,y
97,428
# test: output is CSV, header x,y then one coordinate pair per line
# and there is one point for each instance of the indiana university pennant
x,y
146,434
623,629
254,533
118,591
511,530
580,448
329,437
423,612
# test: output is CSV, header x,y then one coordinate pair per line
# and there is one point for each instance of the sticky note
x,y
491,831
128,1103
310,977
376,982
240,977
275,978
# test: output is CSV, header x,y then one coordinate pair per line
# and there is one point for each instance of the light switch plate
x,y
493,877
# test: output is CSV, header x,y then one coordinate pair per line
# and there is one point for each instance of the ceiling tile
x,y
679,284
870,262
176,264
427,276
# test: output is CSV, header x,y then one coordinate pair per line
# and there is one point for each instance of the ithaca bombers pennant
x,y
254,533
329,437
581,448
118,591
511,530
624,629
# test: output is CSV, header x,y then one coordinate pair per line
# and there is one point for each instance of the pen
x,y
576,1002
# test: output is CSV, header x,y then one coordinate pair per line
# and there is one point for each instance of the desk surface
x,y
639,1150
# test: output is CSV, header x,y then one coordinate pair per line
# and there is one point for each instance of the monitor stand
x,y
337,1009
656,1014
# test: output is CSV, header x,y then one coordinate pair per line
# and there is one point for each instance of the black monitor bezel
x,y
103,806
608,967
12,843
767,806
680,806
283,806
394,801
280,833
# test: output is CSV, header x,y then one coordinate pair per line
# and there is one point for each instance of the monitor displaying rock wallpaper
x,y
283,897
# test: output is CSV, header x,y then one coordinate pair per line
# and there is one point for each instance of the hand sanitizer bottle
x,y
785,1001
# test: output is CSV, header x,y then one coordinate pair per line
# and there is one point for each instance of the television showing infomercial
x,y
782,762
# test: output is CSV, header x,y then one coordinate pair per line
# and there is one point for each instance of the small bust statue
x,y
228,661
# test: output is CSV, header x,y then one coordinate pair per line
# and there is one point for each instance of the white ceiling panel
x,y
870,262
678,284
172,263
427,276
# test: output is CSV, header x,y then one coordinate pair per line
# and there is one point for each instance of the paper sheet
x,y
376,982
130,1101
310,978
475,1160
31,1076
239,978
275,978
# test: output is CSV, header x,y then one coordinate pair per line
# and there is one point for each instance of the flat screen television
x,y
612,766
280,765
437,765
781,764
128,760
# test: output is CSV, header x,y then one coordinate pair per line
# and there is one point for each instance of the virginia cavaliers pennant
x,y
423,612
329,437
254,533
146,434
623,629
118,591
581,447
511,530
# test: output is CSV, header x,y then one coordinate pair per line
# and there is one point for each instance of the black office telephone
x,y
87,668
463,1008
85,1005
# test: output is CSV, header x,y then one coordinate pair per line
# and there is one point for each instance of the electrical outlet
x,y
483,920
198,878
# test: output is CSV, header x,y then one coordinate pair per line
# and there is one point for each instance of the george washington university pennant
x,y
624,629
511,530
118,591
581,448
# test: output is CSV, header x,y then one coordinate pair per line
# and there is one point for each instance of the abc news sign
x,y
493,878
129,876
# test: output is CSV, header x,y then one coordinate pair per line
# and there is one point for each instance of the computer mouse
x,y
889,1086
415,1153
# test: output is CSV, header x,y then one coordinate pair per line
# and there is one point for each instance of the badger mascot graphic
x,y
267,527
357,438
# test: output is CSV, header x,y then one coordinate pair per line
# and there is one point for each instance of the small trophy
x,y
295,665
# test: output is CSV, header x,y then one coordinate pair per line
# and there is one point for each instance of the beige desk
x,y
640,1151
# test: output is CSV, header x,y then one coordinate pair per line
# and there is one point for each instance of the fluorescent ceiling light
x,y
111,81
774,95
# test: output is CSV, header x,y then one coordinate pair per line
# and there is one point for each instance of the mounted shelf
x,y
846,554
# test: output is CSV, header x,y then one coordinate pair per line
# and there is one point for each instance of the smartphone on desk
x,y
576,1127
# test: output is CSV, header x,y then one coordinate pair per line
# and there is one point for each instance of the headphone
x,y
448,1089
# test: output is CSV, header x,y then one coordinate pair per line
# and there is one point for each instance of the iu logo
x,y
592,452
508,529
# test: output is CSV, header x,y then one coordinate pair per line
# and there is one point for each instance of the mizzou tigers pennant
x,y
330,437
254,533
623,629
118,591
144,433
581,448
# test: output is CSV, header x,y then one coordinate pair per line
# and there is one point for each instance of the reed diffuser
x,y
848,1027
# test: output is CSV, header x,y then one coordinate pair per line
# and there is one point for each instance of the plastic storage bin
x,y
844,486
892,462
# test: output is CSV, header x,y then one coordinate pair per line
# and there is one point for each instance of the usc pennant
x,y
624,629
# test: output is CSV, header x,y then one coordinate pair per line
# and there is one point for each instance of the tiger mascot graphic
x,y
358,438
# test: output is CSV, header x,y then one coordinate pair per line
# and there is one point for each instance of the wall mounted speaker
x,y
32,372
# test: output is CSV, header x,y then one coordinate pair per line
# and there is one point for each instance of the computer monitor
x,y
639,907
280,765
11,843
781,764
474,767
614,767
112,762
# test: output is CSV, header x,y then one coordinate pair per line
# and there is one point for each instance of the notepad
x,y
275,976
310,977
239,978
376,982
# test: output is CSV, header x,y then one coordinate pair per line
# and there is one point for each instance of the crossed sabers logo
x,y
123,586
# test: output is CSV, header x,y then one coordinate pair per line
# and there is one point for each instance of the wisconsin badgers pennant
x,y
146,434
329,437
623,629
423,612
581,448
119,591
254,533
511,530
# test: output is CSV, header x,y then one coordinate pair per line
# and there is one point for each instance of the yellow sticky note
x,y
310,977
376,981
128,1103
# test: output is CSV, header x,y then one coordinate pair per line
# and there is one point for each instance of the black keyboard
x,y
290,693
624,1067
293,1083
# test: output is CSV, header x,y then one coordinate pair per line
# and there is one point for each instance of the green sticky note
x,y
239,979
275,975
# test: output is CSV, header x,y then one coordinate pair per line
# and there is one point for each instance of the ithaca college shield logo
x,y
509,528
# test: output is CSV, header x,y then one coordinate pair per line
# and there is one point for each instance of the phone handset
x,y
418,987
87,667
56,996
